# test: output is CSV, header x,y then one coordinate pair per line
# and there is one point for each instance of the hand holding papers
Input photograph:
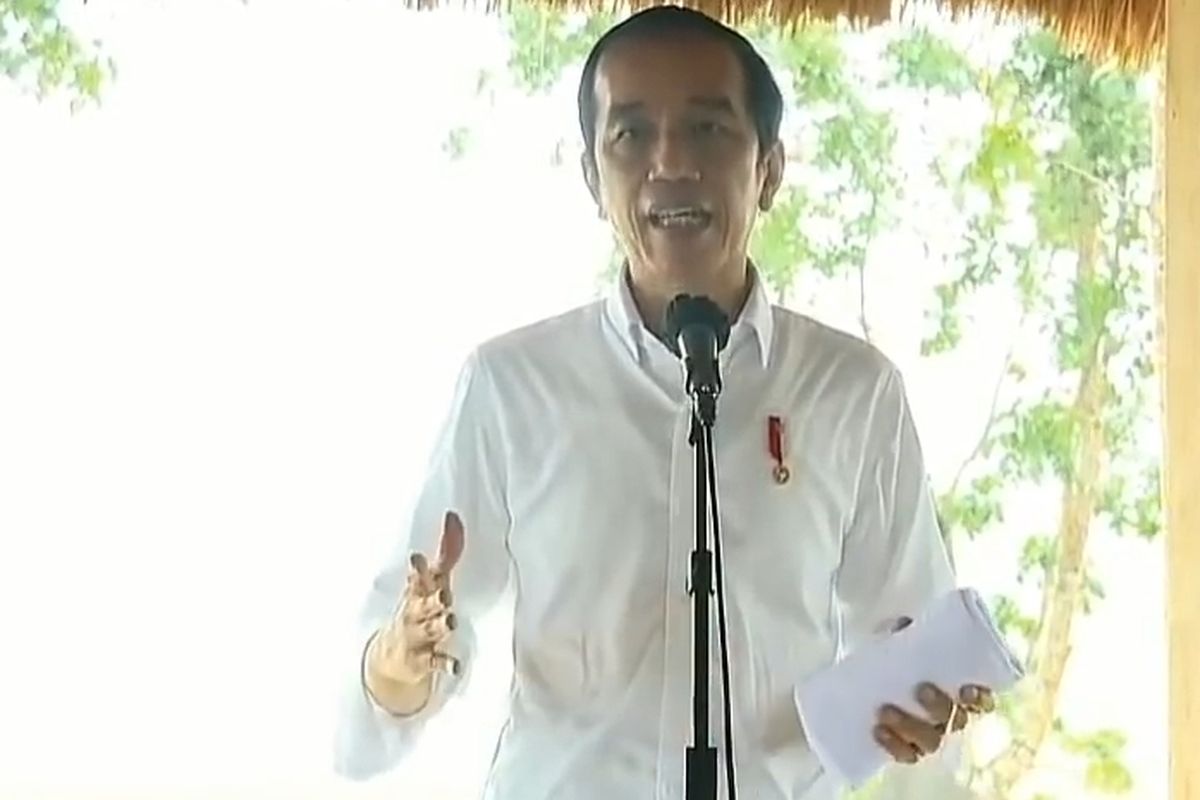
x,y
954,644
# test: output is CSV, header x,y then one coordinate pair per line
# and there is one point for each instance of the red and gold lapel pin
x,y
775,443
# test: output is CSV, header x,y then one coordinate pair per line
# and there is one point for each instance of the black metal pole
x,y
701,773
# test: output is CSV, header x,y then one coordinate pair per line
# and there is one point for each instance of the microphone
x,y
697,331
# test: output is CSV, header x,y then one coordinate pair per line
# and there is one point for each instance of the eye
x,y
706,128
628,133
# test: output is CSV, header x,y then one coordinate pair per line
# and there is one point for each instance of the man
x,y
564,472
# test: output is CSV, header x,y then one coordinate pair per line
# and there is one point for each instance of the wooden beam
x,y
1182,392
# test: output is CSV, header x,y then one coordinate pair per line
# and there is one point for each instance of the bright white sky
x,y
232,302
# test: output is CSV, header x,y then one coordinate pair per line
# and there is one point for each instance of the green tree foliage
x,y
545,42
1051,208
40,53
828,224
1074,139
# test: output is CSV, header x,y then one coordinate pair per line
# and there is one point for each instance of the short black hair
x,y
762,92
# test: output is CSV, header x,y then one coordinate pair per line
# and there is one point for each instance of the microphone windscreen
x,y
687,310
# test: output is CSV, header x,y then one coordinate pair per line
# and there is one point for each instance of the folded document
x,y
954,644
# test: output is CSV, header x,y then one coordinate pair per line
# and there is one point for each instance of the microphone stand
x,y
697,330
701,765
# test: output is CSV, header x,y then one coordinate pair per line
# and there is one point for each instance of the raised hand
x,y
408,650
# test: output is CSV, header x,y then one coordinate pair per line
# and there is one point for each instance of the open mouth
x,y
679,217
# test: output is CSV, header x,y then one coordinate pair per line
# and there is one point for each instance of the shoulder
x,y
544,337
833,357
862,390
544,343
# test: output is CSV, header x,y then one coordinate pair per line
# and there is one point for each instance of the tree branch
x,y
993,409
1095,180
992,414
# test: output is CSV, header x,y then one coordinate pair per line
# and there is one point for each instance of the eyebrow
x,y
721,105
625,110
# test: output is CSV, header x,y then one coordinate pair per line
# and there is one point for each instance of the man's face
x,y
678,170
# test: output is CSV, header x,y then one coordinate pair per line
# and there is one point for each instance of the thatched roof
x,y
1131,32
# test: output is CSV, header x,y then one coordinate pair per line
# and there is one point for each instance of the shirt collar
x,y
756,317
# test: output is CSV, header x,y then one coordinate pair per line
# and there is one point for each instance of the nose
x,y
673,159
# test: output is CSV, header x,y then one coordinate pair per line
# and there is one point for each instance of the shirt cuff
x,y
370,739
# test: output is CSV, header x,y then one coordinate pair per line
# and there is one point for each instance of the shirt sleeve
x,y
894,561
465,475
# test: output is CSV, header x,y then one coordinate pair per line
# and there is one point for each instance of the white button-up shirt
x,y
566,454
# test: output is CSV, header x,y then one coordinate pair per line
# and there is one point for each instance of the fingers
x,y
939,704
944,711
977,699
417,606
426,578
414,649
924,736
908,738
426,618
433,630
429,660
421,577
971,700
450,549
423,622
897,748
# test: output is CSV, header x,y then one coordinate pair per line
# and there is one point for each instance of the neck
x,y
729,291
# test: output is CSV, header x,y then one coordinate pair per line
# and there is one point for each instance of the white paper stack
x,y
954,644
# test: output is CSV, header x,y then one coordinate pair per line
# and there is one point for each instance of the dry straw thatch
x,y
1130,32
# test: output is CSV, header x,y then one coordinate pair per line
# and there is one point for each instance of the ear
x,y
592,179
772,168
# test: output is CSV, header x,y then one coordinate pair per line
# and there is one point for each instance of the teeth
x,y
679,217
